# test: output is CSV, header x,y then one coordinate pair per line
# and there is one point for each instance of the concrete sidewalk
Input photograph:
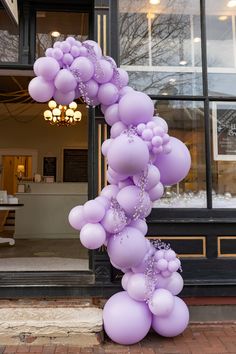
x,y
219,338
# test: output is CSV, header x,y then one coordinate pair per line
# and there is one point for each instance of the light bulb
x,y
52,104
77,116
55,34
73,105
47,114
182,62
56,112
70,112
154,2
197,39
222,18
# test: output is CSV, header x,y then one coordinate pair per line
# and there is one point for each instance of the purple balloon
x,y
142,266
83,67
105,146
83,52
156,192
127,182
125,279
92,236
65,46
46,67
140,224
104,108
71,40
161,123
49,53
152,175
64,98
110,179
57,53
94,211
128,248
134,202
41,90
125,90
67,59
161,303
110,191
137,287
91,88
174,166
116,175
128,156
126,321
174,283
103,71
173,324
112,114
104,201
76,217
117,129
108,94
114,222
97,50
120,78
136,107
75,51
65,81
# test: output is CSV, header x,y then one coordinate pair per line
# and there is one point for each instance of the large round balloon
x,y
40,89
128,248
175,323
92,236
174,166
128,155
126,321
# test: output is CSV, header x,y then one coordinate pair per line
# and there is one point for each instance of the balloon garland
x,y
142,159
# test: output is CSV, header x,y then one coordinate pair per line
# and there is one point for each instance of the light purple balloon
x,y
104,108
41,90
91,88
103,71
116,175
65,46
125,279
57,53
174,265
170,255
125,90
142,266
110,191
114,222
49,52
104,201
174,283
112,114
105,146
128,248
94,211
84,67
161,123
64,98
173,324
76,217
137,287
110,179
127,182
140,224
108,94
92,236
128,156
174,166
133,201
126,321
156,192
152,177
95,46
161,303
83,52
67,59
117,129
75,51
71,40
147,134
65,81
120,78
57,44
136,107
162,264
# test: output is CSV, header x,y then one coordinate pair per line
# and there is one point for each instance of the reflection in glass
x,y
56,26
161,43
223,116
221,47
185,121
9,39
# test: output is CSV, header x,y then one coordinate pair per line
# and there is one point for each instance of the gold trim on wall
x,y
219,253
99,29
186,255
104,34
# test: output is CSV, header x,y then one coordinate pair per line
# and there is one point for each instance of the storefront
x,y
183,54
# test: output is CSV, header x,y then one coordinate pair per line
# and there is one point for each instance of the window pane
x,y
9,39
160,46
221,47
186,122
56,26
224,154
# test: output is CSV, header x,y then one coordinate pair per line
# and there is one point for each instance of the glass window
x,y
56,26
221,46
9,39
186,122
224,154
160,45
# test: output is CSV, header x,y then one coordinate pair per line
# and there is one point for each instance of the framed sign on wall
x,y
50,166
75,165
224,131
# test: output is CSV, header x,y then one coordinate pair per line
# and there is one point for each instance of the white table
x,y
11,241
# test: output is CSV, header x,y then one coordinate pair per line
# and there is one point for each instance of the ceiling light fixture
x,y
222,18
154,2
231,3
197,39
182,62
55,34
62,116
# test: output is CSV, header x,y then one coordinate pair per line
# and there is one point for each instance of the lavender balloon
x,y
40,89
126,321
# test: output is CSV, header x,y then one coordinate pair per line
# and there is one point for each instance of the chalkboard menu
x,y
224,131
75,165
50,166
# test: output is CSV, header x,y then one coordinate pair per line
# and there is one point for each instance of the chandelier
x,y
62,115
